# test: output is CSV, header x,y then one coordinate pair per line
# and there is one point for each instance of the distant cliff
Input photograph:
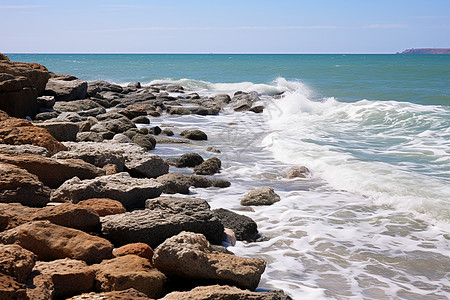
x,y
427,51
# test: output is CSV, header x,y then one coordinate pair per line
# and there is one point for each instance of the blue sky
x,y
194,26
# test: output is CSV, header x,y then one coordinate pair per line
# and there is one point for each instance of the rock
x,y
61,169
92,112
208,167
175,183
163,218
118,125
257,109
178,110
76,105
186,160
244,227
222,98
62,131
18,185
69,276
134,84
212,149
297,172
220,183
115,295
23,149
229,236
131,192
141,120
36,73
139,249
69,117
103,206
95,87
121,138
11,289
47,115
17,96
224,292
89,137
260,196
19,132
66,90
197,135
188,255
16,262
167,132
174,88
129,271
150,166
146,141
49,241
40,287
46,101
4,57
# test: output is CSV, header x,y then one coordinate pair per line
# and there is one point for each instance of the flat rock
x,y
62,131
75,106
64,90
18,185
16,261
103,206
260,196
129,271
23,149
139,249
243,227
188,255
115,295
163,218
131,192
49,241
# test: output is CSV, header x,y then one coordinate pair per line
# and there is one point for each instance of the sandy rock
x,y
139,249
131,192
244,227
62,131
188,255
197,135
16,261
61,169
297,172
129,271
11,289
115,295
103,206
208,167
224,292
163,218
69,276
49,241
260,196
18,185
23,149
66,90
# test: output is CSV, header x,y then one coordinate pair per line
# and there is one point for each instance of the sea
x,y
372,218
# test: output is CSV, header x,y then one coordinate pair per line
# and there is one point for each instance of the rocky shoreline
x,y
86,209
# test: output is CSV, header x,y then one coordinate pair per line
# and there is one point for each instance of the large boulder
x,y
18,96
62,131
260,196
225,292
49,241
163,218
114,295
129,271
18,185
189,255
243,227
131,192
16,261
61,169
20,132
69,276
64,90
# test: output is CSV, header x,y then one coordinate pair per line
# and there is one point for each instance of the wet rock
x,y
220,183
244,227
62,131
197,135
168,132
16,262
103,206
134,84
208,167
141,120
188,255
174,88
131,192
186,160
115,295
18,185
212,149
49,241
163,218
222,98
146,141
11,289
66,90
260,196
178,110
23,149
257,109
297,172
129,271
139,249
69,276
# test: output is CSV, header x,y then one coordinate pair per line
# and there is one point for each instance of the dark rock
x,y
257,109
244,227
208,167
224,98
186,160
146,141
212,149
134,84
46,101
43,116
17,96
155,130
11,289
178,110
141,120
118,125
194,135
95,87
62,131
167,132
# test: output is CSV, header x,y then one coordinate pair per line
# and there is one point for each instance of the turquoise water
x,y
421,79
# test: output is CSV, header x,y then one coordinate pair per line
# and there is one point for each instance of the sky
x,y
244,26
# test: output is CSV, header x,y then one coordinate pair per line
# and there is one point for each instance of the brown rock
x,y
4,57
16,261
61,169
10,289
49,241
17,96
189,255
297,172
40,287
208,167
139,249
115,295
129,271
18,185
69,276
62,131
103,206
19,132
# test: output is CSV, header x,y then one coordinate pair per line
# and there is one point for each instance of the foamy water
x,y
373,219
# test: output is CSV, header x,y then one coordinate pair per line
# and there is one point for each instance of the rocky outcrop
x,y
224,292
188,255
243,227
139,249
69,276
61,169
131,192
163,218
49,241
18,185
115,295
260,196
64,90
129,271
103,206
62,131
16,261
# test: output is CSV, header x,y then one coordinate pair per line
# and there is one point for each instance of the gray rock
x,y
62,131
148,165
23,149
146,141
163,218
47,115
141,120
222,98
118,125
103,86
131,192
121,138
46,101
89,136
134,84
77,105
167,131
244,227
208,167
260,196
196,134
175,183
66,90
69,117
178,110
92,112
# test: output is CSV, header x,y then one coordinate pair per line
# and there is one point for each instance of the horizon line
x,y
225,53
